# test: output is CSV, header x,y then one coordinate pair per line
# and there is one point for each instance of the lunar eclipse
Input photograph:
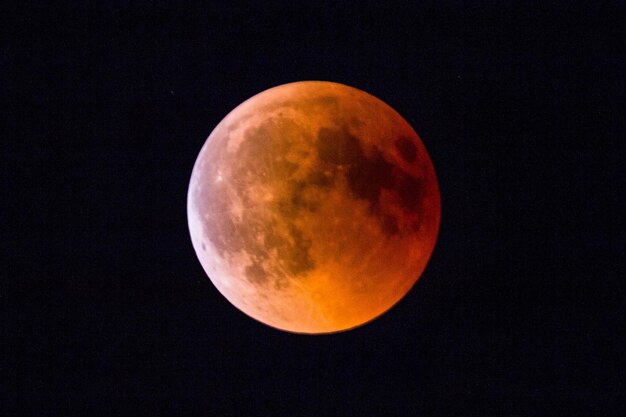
x,y
313,207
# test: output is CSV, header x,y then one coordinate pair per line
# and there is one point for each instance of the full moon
x,y
313,207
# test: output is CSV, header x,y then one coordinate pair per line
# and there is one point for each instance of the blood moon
x,y
313,207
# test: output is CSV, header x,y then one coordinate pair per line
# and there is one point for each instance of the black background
x,y
106,308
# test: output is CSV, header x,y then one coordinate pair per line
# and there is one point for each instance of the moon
x,y
313,207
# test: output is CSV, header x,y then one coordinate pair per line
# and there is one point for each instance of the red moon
x,y
313,207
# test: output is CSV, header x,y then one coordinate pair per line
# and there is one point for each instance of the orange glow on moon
x,y
313,207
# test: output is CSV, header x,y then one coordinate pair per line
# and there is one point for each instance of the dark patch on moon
x,y
368,176
407,149
326,101
292,257
295,199
356,122
301,203
338,147
296,256
411,192
389,225
320,178
256,273
287,208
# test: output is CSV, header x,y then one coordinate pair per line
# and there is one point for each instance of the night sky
x,y
105,307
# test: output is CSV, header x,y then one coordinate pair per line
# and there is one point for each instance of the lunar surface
x,y
313,207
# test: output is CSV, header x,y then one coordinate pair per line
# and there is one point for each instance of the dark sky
x,y
106,308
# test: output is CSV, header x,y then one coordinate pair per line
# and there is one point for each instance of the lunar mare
x,y
313,207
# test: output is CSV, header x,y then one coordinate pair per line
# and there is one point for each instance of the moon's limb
x,y
313,207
